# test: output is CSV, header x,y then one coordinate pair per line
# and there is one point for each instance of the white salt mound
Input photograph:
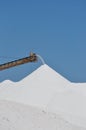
x,y
49,91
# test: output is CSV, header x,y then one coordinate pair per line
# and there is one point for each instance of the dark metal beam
x,y
31,58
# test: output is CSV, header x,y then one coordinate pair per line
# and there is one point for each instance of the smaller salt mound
x,y
6,82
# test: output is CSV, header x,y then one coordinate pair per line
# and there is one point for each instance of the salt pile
x,y
46,90
36,89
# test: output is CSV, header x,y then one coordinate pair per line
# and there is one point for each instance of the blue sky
x,y
55,29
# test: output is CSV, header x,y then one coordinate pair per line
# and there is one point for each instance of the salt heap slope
x,y
15,116
36,89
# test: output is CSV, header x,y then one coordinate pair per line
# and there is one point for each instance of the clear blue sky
x,y
55,29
